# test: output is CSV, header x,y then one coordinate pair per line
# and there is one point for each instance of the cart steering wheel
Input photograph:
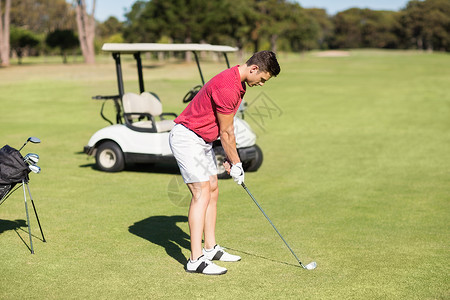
x,y
191,94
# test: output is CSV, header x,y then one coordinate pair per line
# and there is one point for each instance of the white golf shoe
x,y
204,266
219,253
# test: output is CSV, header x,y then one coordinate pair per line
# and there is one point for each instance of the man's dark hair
x,y
266,61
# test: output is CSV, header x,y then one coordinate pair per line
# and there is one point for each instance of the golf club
x,y
310,266
35,169
31,158
32,139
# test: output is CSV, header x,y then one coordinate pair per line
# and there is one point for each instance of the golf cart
x,y
140,133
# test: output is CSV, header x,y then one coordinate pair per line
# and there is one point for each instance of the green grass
x,y
356,177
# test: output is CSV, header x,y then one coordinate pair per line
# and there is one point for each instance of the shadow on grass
x,y
262,257
16,225
160,168
6,225
153,66
163,231
164,166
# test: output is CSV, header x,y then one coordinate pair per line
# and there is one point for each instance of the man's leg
x,y
201,196
213,251
211,214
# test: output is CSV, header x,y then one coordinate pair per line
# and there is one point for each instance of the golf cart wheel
x,y
255,163
220,159
109,157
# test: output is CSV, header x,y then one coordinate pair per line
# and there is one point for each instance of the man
x,y
210,115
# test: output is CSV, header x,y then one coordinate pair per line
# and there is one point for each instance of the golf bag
x,y
14,170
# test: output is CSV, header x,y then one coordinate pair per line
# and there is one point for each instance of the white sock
x,y
209,250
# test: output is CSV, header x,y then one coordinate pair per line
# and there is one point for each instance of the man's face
x,y
257,77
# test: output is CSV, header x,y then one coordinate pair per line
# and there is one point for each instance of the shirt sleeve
x,y
225,100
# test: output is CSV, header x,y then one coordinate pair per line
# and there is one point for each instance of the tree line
x,y
37,27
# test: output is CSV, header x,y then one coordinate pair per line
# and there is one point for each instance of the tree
x,y
377,29
426,24
62,39
301,29
182,21
86,30
110,27
166,20
138,26
231,22
43,16
4,32
22,40
326,26
365,28
281,19
110,31
347,32
274,20
239,23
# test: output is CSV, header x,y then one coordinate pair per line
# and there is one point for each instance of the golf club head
x,y
34,140
310,266
35,169
31,158
26,157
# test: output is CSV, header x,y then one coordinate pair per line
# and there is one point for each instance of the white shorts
x,y
194,156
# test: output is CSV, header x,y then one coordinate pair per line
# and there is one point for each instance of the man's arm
x,y
227,137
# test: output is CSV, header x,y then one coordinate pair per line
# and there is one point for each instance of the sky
x,y
335,6
106,8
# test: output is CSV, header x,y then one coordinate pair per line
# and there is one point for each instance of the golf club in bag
x,y
14,169
310,266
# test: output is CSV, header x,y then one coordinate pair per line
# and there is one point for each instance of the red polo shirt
x,y
222,94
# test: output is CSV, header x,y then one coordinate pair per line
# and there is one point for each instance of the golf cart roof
x,y
156,47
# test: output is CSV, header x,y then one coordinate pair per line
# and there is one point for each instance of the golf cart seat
x,y
144,113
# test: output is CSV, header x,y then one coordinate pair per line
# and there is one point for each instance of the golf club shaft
x,y
28,217
260,208
23,146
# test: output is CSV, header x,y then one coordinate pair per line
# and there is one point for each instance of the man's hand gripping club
x,y
236,171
